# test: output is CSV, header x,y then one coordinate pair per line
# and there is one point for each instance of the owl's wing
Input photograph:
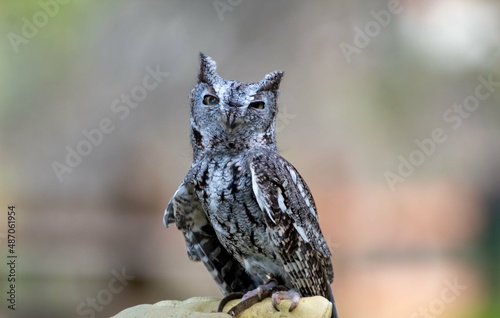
x,y
202,243
292,222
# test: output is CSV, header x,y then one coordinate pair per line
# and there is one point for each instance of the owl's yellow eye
x,y
210,100
257,105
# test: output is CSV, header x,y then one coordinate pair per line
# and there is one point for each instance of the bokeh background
x,y
362,83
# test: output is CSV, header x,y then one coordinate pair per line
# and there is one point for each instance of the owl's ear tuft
x,y
208,69
271,82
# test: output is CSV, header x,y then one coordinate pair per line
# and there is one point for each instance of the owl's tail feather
x,y
225,270
332,300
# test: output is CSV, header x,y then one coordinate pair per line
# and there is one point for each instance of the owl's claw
x,y
248,299
270,289
291,294
247,303
262,290
227,299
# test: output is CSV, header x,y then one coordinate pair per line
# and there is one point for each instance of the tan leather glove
x,y
206,307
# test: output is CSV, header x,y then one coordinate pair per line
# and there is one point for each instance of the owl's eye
x,y
210,100
257,105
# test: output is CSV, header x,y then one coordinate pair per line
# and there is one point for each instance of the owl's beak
x,y
231,119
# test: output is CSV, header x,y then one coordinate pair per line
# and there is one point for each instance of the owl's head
x,y
227,114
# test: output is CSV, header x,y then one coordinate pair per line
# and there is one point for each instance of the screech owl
x,y
244,210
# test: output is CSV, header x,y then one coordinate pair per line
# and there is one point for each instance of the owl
x,y
245,212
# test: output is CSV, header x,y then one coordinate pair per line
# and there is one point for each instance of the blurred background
x,y
389,110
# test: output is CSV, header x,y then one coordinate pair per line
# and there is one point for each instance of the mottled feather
x,y
292,223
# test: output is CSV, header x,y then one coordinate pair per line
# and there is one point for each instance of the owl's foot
x,y
262,292
270,289
249,299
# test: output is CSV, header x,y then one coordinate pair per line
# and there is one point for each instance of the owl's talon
x,y
270,289
227,299
291,294
262,290
250,298
247,303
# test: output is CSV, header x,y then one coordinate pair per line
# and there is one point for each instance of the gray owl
x,y
245,211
